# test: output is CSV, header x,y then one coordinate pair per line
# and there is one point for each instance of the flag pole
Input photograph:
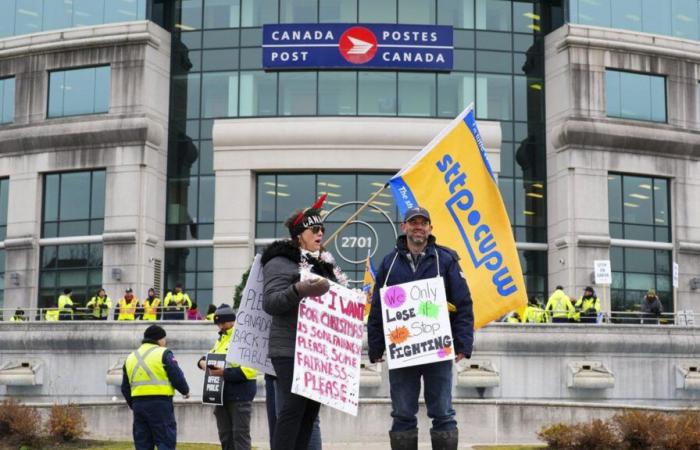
x,y
359,210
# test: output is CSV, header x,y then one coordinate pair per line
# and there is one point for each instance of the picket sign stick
x,y
359,210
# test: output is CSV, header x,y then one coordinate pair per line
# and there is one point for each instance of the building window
x,y
32,16
78,267
635,96
667,17
194,268
4,194
634,272
74,204
79,91
7,100
278,195
638,208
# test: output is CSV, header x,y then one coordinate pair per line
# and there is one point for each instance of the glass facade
x,y
638,209
33,16
79,91
78,267
194,268
74,204
677,18
217,73
7,100
635,96
4,195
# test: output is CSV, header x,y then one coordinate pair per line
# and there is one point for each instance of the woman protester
x,y
282,261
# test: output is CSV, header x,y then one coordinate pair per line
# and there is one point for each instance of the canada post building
x,y
144,142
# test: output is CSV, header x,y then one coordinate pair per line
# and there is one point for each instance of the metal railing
x,y
680,318
81,313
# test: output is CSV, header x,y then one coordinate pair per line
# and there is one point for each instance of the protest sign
x,y
251,333
213,391
329,347
416,323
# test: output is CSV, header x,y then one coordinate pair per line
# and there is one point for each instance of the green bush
x,y
19,424
66,422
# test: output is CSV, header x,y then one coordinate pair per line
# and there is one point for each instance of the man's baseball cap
x,y
416,211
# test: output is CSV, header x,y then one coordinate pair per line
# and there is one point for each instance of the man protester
x,y
176,301
651,308
240,387
418,257
587,307
150,377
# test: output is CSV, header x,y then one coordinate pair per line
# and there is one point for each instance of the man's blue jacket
x,y
456,289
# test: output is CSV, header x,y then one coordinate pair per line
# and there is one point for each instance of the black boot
x,y
444,440
404,440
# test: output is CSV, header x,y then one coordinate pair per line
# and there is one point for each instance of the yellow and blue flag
x,y
452,178
368,283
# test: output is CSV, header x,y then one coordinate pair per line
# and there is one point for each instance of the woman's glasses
x,y
316,228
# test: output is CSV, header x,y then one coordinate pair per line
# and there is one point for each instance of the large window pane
x,y
377,93
87,12
255,13
417,94
526,18
123,10
594,12
338,11
378,11
297,94
684,15
656,17
222,13
638,208
4,195
455,92
190,15
7,100
57,14
298,11
635,96
78,267
337,93
258,94
458,13
73,203
615,198
186,96
493,15
494,96
417,11
627,14
79,91
7,20
220,94
28,15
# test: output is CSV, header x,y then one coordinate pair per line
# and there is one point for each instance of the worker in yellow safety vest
x,y
587,307
127,306
149,379
177,301
65,305
150,305
534,312
559,306
240,387
210,311
100,304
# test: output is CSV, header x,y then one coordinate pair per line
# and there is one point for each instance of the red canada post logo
x,y
358,45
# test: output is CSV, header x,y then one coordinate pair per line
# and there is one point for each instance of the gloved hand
x,y
312,288
103,306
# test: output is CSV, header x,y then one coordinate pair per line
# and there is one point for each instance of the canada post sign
x,y
357,46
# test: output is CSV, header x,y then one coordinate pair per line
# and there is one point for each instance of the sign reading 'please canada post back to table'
x,y
416,323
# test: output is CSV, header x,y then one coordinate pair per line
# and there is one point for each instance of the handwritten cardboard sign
x,y
416,323
251,334
213,390
329,347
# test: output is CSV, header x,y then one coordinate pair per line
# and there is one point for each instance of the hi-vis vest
x,y
150,308
146,373
221,346
127,310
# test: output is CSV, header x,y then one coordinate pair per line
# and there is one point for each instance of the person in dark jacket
x,y
651,308
150,377
283,291
418,257
240,387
